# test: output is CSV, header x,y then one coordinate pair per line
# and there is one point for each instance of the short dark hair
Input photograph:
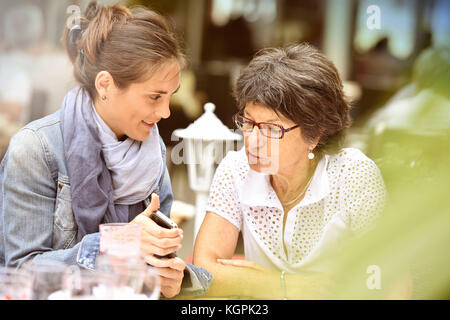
x,y
303,85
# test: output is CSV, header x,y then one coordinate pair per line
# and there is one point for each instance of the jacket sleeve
x,y
27,205
196,280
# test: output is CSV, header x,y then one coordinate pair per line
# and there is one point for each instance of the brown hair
x,y
304,86
128,43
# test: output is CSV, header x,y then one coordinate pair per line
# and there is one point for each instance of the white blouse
x,y
345,196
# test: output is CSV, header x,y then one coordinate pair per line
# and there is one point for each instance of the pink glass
x,y
120,239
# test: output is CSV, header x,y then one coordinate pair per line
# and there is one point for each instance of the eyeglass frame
x,y
254,123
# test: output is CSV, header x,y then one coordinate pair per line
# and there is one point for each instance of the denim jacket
x,y
36,218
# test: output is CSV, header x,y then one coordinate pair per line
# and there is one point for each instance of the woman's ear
x,y
316,140
314,143
104,84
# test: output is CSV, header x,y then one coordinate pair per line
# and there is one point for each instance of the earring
x,y
103,98
311,155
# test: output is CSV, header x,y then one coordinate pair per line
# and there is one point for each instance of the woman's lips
x,y
254,156
148,124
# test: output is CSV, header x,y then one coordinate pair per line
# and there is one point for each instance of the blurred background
x,y
393,57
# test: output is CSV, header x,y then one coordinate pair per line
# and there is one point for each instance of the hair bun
x,y
92,10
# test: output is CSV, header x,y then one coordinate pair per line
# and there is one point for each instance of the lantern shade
x,y
207,127
203,142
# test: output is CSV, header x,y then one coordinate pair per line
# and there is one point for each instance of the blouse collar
x,y
256,189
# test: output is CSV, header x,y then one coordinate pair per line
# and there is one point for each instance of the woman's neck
x,y
288,183
101,112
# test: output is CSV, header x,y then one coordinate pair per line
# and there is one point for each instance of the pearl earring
x,y
310,155
103,98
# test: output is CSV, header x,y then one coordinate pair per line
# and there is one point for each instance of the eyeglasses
x,y
267,129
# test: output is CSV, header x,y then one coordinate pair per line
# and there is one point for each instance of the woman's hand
x,y
156,240
171,273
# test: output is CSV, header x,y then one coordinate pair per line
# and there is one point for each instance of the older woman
x,y
100,157
292,191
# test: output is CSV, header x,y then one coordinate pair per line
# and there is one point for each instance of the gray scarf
x,y
90,179
135,166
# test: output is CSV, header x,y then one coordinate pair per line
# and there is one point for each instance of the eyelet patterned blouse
x,y
344,198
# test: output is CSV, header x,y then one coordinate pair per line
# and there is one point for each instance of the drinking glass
x,y
120,239
135,278
15,284
152,286
84,284
47,277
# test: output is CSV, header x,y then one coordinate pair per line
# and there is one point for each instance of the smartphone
x,y
162,220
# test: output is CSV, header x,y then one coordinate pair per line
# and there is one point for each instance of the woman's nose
x,y
254,139
164,111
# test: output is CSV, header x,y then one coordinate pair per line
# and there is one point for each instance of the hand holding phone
x,y
162,220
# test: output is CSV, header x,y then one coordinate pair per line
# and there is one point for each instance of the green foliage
x,y
410,241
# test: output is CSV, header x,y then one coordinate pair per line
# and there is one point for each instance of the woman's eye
x,y
155,97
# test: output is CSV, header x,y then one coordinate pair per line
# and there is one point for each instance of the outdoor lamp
x,y
205,142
